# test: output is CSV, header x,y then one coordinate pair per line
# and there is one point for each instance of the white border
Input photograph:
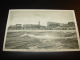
x,y
40,50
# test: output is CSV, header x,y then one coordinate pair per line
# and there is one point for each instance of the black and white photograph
x,y
41,30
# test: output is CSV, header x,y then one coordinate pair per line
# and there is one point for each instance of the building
x,y
18,26
52,24
30,26
12,27
63,25
71,24
60,26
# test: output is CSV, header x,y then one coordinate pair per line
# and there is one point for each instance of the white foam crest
x,y
41,36
45,36
23,35
27,35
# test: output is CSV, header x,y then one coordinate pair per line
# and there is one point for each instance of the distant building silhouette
x,y
12,27
63,25
30,26
71,24
50,26
18,26
60,26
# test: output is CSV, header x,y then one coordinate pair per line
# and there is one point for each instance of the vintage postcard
x,y
41,31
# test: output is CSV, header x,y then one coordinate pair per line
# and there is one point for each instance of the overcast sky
x,y
32,17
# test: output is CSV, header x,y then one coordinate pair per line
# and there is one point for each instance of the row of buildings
x,y
61,26
50,26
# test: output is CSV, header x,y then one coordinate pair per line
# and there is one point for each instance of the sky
x,y
32,17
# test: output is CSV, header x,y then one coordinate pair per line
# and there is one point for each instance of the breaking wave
x,y
31,35
43,36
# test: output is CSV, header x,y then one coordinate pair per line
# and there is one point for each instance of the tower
x,y
38,24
